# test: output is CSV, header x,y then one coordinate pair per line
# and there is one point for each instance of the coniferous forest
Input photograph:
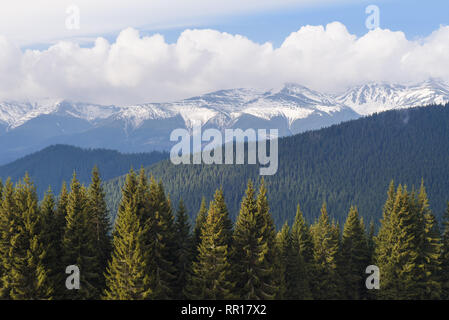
x,y
153,250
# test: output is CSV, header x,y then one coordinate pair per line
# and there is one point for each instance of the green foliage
x,y
184,251
154,255
79,243
253,248
100,223
126,277
55,164
211,278
325,282
355,256
347,164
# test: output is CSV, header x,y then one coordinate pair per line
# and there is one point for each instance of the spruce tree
x,y
99,217
160,240
199,223
398,252
302,253
8,231
126,275
253,251
430,249
29,276
53,241
445,256
355,256
79,244
326,281
211,279
184,251
283,258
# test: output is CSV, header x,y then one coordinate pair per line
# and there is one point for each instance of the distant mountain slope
x,y
378,97
49,167
27,127
350,163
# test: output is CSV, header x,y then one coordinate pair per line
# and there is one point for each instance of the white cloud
x,y
137,69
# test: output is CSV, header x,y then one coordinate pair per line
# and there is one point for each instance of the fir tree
x,y
283,258
199,223
99,218
430,249
184,252
302,253
445,255
211,279
253,251
325,282
53,241
355,256
161,242
79,244
8,232
28,272
126,276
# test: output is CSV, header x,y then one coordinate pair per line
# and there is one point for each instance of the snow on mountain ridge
x,y
223,108
377,97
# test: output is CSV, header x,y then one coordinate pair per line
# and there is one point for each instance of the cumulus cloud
x,y
137,69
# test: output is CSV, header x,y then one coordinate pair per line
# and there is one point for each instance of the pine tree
x,y
326,281
211,279
430,249
126,276
445,256
99,217
161,241
371,241
184,251
79,244
355,256
283,258
53,241
253,251
28,271
8,231
199,223
302,253
401,269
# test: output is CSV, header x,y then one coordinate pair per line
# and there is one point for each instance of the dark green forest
x,y
52,165
347,164
155,252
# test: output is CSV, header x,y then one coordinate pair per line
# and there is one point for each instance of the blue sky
x,y
416,18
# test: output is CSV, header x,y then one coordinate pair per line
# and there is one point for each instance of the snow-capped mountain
x,y
377,97
29,126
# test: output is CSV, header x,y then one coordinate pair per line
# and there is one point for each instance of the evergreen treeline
x,y
343,165
153,251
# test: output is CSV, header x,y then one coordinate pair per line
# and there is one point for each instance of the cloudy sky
x,y
135,51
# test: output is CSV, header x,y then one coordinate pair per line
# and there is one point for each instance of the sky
x,y
136,51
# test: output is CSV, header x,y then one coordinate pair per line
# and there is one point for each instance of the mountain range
x,y
27,127
347,164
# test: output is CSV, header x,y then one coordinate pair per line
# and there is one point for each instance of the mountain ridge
x,y
27,127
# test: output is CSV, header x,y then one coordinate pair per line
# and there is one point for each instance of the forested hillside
x,y
52,165
155,253
343,165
